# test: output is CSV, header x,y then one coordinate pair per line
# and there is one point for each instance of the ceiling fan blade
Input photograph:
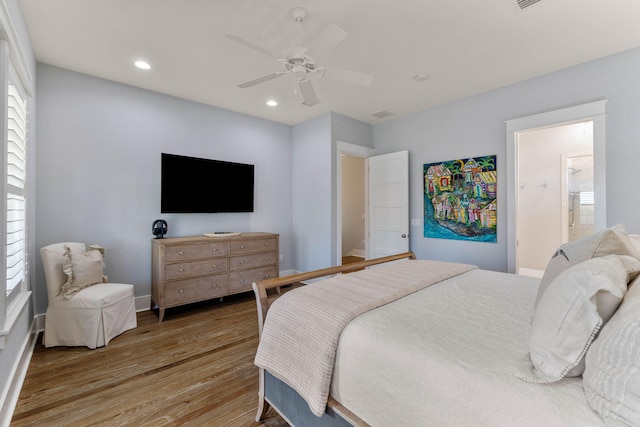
x,y
260,80
307,91
347,76
331,37
251,45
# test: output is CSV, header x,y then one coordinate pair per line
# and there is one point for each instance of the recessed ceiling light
x,y
272,103
420,77
142,65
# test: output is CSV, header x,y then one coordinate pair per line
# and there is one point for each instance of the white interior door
x,y
388,216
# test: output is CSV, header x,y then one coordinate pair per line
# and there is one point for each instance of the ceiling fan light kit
x,y
299,14
298,61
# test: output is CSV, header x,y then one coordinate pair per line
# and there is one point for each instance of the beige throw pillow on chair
x,y
83,268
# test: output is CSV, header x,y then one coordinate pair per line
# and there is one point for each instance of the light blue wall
x,y
475,126
99,169
99,172
350,130
314,187
311,192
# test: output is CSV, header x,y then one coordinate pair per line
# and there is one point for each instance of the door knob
x,y
404,236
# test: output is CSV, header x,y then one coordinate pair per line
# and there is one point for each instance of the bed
x,y
453,349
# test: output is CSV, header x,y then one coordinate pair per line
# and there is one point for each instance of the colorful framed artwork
x,y
460,199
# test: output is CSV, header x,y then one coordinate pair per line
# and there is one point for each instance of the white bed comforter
x,y
302,329
444,356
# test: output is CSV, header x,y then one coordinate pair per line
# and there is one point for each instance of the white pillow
x,y
570,313
635,239
612,373
610,241
83,268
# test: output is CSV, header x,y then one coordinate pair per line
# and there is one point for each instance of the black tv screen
x,y
194,185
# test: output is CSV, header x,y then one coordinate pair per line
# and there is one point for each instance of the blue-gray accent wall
x,y
475,126
99,169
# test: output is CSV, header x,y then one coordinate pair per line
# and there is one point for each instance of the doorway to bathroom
x,y
541,188
555,191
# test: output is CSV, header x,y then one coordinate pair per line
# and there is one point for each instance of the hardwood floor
x,y
194,369
350,258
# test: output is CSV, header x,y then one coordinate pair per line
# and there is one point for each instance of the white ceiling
x,y
465,47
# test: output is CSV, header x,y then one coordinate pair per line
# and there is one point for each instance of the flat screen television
x,y
194,185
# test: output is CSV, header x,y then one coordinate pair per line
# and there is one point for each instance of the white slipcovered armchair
x,y
83,315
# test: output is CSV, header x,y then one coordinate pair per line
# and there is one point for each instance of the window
x,y
14,185
16,162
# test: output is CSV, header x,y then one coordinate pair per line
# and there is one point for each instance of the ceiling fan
x,y
298,61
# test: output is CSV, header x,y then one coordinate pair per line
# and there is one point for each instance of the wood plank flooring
x,y
194,369
350,259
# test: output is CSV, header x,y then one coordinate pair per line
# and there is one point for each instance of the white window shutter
x,y
16,175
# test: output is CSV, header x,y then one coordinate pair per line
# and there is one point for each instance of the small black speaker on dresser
x,y
159,228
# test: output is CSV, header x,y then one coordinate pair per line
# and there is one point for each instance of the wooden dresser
x,y
191,269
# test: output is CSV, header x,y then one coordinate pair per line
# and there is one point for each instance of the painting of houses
x,y
460,199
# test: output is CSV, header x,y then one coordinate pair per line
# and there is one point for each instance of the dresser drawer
x,y
249,246
252,261
240,281
198,289
187,252
195,268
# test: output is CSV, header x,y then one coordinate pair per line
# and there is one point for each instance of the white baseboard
x,y
16,378
356,252
288,272
318,279
38,322
531,272
143,303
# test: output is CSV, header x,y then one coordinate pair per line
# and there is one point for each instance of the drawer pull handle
x,y
215,285
266,258
266,244
213,249
214,266
241,262
181,253
181,270
241,247
266,276
181,291
241,280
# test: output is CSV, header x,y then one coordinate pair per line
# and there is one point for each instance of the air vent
x,y
526,3
382,114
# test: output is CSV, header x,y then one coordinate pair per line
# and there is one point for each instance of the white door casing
x,y
596,111
388,213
